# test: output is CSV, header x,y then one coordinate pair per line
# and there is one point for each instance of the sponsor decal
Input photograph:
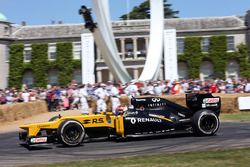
x,y
140,99
133,120
93,121
154,115
184,120
212,105
182,115
211,100
156,104
203,105
143,120
132,113
156,100
38,140
209,105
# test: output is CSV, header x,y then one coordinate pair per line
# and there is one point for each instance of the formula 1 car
x,y
147,115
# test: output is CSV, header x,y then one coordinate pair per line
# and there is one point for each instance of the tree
x,y
143,11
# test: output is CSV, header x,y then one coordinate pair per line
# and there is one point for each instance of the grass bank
x,y
223,158
239,117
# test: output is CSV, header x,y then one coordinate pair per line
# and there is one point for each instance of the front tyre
x,y
71,133
205,123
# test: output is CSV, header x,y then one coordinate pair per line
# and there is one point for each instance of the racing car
x,y
145,115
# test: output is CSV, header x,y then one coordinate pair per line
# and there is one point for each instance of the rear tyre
x,y
71,133
205,123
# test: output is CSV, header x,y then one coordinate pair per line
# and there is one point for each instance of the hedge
x,y
217,54
16,65
40,65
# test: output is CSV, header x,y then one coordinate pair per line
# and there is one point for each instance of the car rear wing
x,y
196,101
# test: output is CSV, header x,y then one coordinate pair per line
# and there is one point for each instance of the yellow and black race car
x,y
146,115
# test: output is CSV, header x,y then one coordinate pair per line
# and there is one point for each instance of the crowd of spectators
x,y
76,96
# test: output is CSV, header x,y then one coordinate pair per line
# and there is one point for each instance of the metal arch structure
x,y
104,39
154,55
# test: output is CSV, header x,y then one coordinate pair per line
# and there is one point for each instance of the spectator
x,y
131,89
176,88
25,96
213,88
9,97
76,98
148,89
70,95
64,101
3,99
61,98
32,95
100,93
115,97
229,87
247,87
222,87
158,88
184,85
42,94
50,100
166,89
84,107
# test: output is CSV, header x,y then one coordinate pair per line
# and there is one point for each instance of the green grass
x,y
223,158
239,117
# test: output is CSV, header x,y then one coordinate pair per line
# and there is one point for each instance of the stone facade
x,y
132,38
5,40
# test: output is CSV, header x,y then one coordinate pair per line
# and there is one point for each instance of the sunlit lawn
x,y
240,117
226,158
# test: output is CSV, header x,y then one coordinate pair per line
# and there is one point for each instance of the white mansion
x,y
132,38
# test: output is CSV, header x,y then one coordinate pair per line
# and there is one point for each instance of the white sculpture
x,y
105,41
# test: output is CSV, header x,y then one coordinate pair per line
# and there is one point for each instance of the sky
x,y
42,12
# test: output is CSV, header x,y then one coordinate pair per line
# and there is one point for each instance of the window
x,y
52,51
205,44
27,52
206,70
53,77
182,70
141,47
6,31
230,43
28,79
7,53
129,48
180,45
232,70
77,75
77,50
118,44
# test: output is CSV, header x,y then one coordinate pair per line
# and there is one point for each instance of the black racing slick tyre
x,y
71,133
205,123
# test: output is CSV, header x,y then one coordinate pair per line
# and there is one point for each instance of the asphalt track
x,y
230,135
